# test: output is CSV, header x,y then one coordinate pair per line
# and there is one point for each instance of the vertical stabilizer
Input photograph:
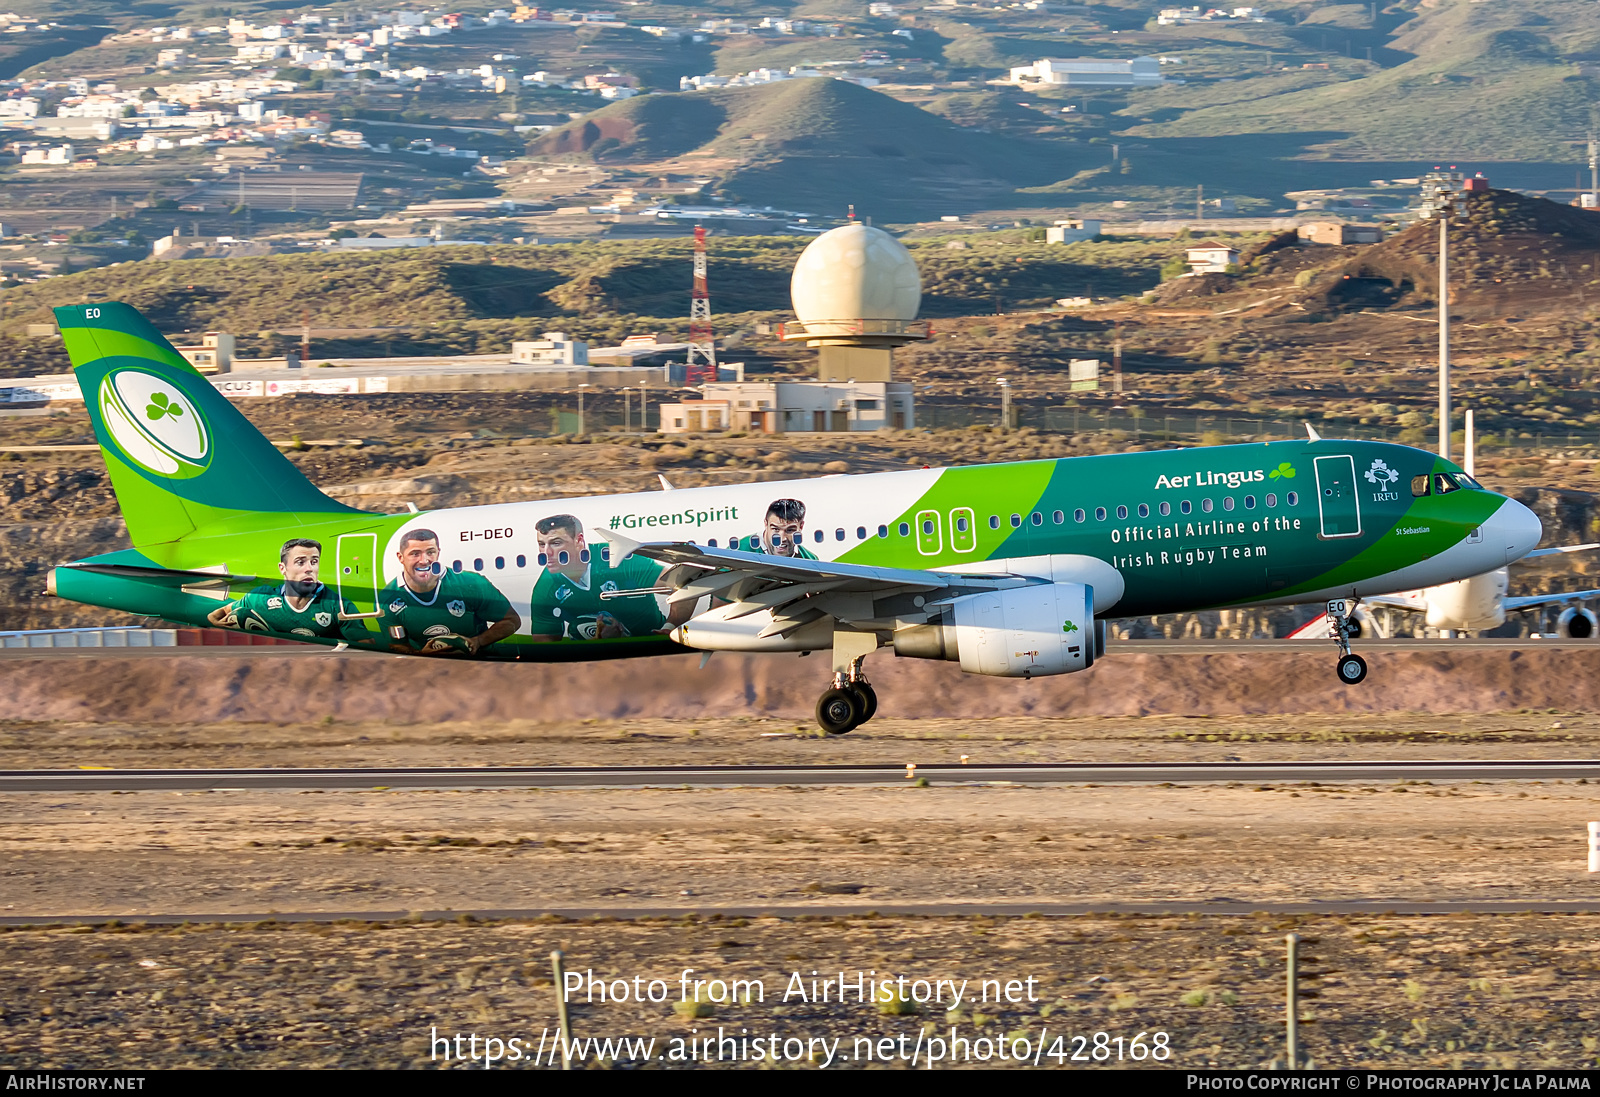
x,y
180,456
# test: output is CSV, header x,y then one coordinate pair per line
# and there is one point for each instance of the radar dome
x,y
855,272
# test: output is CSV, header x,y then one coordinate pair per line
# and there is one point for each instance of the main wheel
x,y
866,700
838,711
1352,669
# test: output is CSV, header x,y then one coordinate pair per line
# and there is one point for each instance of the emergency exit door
x,y
359,577
1338,504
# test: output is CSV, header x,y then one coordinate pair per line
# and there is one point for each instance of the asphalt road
x,y
219,780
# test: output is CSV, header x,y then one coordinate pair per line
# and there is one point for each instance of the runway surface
x,y
1219,906
1084,773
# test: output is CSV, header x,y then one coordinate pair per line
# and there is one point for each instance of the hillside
x,y
1488,82
817,145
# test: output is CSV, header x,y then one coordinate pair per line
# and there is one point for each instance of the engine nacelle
x,y
1018,632
1577,623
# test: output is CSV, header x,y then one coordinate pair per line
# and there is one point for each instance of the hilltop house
x,y
1211,257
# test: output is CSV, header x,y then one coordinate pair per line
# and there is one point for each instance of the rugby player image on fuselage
x,y
783,533
441,612
299,606
566,603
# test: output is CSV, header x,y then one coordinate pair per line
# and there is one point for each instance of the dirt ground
x,y
1378,991
1460,990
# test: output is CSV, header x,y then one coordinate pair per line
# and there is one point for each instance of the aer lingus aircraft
x,y
1009,569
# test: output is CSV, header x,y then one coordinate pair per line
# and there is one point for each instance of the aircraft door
x,y
929,537
359,576
1338,505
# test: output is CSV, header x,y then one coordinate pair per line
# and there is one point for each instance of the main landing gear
x,y
1351,668
848,703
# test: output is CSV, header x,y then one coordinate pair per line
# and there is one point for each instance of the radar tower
x,y
702,357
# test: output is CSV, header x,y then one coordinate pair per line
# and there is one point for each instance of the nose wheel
x,y
848,703
1351,668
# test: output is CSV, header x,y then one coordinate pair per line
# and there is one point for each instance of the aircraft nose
x,y
1516,527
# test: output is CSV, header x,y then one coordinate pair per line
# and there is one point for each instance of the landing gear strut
x,y
1351,668
848,703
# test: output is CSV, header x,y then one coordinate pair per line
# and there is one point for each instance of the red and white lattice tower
x,y
702,358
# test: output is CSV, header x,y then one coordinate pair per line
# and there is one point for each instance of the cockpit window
x,y
1419,485
1444,483
1468,482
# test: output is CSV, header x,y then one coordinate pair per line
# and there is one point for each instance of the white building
x,y
1090,72
1072,231
555,349
778,407
1211,257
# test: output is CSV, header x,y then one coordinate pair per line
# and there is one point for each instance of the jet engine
x,y
1576,623
1017,632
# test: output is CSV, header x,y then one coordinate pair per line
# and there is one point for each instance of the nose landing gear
x,y
1351,668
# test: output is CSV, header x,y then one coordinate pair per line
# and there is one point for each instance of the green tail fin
x,y
180,456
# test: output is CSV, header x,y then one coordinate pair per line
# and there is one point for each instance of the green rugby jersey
x,y
463,604
565,607
267,609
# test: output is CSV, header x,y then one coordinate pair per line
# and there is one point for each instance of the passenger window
x,y
561,557
583,555
905,529
455,565
499,563
605,552
1205,506
1185,506
816,535
1078,515
838,535
994,521
1144,510
861,533
927,526
1227,503
1016,520
477,565
1099,514
883,531
1272,499
712,543
1122,512
1444,484
543,560
961,525
1419,486
522,561
1165,508
1038,519
1058,518
1249,502
1292,499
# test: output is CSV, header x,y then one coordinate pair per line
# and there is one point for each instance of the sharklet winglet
x,y
1312,432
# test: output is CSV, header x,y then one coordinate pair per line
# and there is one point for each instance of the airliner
x,y
1007,569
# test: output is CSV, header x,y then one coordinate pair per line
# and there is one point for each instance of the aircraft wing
x,y
1538,600
1396,601
798,591
1536,553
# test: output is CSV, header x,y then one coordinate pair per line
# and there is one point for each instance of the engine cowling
x,y
1018,632
1577,623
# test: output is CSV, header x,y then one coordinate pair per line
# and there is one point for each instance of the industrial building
x,y
1337,232
1091,72
778,407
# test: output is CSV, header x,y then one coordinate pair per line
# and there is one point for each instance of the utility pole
x,y
305,335
1594,172
580,408
1005,403
1116,359
1444,332
1200,202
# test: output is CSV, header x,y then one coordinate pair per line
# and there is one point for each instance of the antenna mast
x,y
702,357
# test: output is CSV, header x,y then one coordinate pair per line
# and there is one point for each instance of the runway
x,y
1074,773
1220,906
